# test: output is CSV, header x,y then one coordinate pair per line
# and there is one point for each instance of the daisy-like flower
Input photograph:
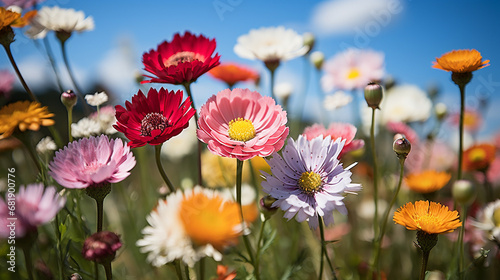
x,y
10,18
232,73
59,20
97,98
352,69
153,119
460,61
308,180
271,44
427,181
242,124
189,226
336,100
489,220
85,127
344,131
429,217
180,61
106,119
92,162
23,115
479,157
35,206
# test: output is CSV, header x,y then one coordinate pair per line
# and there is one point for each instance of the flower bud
x,y
464,192
441,111
309,41
433,91
75,276
266,206
401,147
317,59
373,95
101,246
69,98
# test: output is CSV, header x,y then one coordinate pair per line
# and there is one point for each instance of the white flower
x,y
97,98
337,100
317,58
85,127
181,145
489,220
270,44
46,145
106,118
58,20
283,90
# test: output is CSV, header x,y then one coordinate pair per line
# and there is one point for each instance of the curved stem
x,y
423,268
461,131
160,168
29,263
375,174
187,86
16,69
50,55
378,240
461,242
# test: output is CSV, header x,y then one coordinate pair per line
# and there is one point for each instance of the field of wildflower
x,y
157,187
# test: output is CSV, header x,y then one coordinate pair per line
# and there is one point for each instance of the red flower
x,y
181,61
153,119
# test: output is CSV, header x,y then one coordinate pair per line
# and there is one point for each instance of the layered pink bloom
x,y
92,161
402,128
35,205
241,124
352,69
345,131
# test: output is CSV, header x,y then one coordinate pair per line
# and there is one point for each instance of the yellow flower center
x,y
241,130
353,73
496,217
310,182
210,220
181,57
477,155
427,220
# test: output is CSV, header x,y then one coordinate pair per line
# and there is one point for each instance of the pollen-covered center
x,y
426,220
353,73
153,124
241,130
477,155
181,57
496,217
310,182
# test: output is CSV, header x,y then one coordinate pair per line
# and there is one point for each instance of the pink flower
x,y
35,205
336,130
402,128
352,69
92,161
6,82
472,120
241,124
437,156
101,246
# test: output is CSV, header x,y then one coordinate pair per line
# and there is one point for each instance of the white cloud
x,y
348,16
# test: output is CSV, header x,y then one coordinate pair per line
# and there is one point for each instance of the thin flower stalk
x,y
161,170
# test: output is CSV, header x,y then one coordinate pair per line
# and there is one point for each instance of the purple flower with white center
x,y
308,180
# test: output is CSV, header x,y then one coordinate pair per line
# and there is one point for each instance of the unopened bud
x,y
75,276
463,192
309,41
441,111
101,246
317,59
373,95
69,98
266,206
401,147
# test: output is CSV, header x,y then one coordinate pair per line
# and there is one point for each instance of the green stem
x,y
70,72
461,131
187,86
100,213
178,270
423,268
108,270
272,83
378,240
490,196
461,242
60,258
16,69
96,268
239,169
375,174
202,268
257,254
323,248
29,263
50,55
186,272
70,121
160,168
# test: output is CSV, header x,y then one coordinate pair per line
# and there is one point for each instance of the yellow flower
x,y
221,171
13,19
460,61
23,115
210,220
427,181
431,218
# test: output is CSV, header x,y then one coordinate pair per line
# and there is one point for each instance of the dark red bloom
x,y
153,119
181,61
101,246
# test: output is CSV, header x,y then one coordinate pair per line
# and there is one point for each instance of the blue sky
x,y
411,37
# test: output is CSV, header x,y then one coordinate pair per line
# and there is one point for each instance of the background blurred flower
x,y
336,100
345,131
489,220
437,155
85,127
25,4
182,145
478,157
224,274
106,118
35,205
7,80
232,73
46,145
58,20
97,98
270,44
92,161
352,69
11,18
427,181
220,171
189,226
308,180
429,217
23,115
101,246
153,119
402,128
183,60
472,120
460,61
242,124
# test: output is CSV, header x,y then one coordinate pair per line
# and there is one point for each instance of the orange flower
x,y
23,115
13,19
231,73
460,61
479,157
427,181
431,218
223,274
